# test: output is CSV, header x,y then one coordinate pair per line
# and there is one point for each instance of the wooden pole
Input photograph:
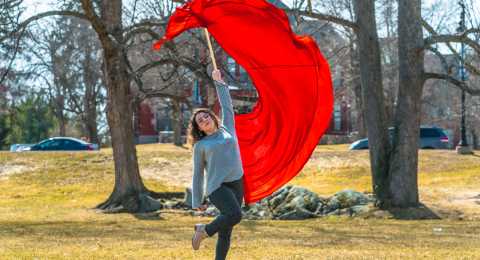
x,y
310,7
211,50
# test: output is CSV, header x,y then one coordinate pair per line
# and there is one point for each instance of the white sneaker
x,y
199,236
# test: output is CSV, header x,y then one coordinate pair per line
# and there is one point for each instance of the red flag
x,y
292,79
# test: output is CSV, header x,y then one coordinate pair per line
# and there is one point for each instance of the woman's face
x,y
205,122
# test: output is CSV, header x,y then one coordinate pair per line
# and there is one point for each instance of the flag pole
x,y
211,51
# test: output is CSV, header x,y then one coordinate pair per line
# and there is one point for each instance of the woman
x,y
215,148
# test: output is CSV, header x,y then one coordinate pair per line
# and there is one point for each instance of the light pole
x,y
196,99
463,147
348,118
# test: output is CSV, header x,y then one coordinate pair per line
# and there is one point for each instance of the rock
x,y
354,210
333,213
148,204
256,210
346,198
212,211
359,208
169,204
297,215
200,214
284,189
188,198
294,198
319,209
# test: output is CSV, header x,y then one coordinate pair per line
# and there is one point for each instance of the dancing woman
x,y
215,148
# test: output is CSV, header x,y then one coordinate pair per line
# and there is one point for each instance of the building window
x,y
337,117
338,79
164,119
231,66
243,75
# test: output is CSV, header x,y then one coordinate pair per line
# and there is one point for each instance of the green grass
x,y
44,211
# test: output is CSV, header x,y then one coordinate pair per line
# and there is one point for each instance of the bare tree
x,y
365,30
10,12
411,46
394,170
67,61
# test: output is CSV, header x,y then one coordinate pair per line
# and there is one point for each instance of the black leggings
x,y
228,199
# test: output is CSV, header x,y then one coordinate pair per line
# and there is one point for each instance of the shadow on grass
x,y
413,213
157,215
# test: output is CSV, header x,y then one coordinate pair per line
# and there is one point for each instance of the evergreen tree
x,y
31,121
5,129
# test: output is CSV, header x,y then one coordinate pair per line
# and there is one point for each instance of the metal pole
x,y
463,142
196,98
348,118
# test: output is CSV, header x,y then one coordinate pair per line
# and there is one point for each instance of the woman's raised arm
x,y
228,118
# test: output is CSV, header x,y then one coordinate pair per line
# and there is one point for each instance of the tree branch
x,y
137,30
103,35
466,63
40,16
453,81
145,24
323,17
442,58
6,4
452,38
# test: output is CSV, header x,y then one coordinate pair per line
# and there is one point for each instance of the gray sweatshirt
x,y
218,153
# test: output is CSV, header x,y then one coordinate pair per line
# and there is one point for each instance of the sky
x,y
37,6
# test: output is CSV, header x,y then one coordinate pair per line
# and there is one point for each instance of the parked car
x,y
18,147
62,144
431,137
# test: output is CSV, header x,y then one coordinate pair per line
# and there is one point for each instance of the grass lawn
x,y
45,199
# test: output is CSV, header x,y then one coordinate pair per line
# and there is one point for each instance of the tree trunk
x,y
361,127
373,99
357,90
86,113
129,193
177,124
92,123
61,121
404,159
59,104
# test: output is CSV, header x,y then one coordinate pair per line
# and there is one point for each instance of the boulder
x,y
288,199
257,210
346,198
200,214
319,209
297,215
334,213
188,198
212,210
169,204
148,204
356,209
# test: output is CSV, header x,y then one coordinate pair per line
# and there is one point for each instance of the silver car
x,y
431,137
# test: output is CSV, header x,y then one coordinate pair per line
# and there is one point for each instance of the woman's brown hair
x,y
194,134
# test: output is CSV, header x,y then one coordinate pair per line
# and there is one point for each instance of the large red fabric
x,y
292,79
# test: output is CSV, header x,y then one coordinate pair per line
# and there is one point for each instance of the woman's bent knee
x,y
237,217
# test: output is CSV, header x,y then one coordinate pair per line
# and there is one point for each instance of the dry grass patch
x,y
45,199
79,234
